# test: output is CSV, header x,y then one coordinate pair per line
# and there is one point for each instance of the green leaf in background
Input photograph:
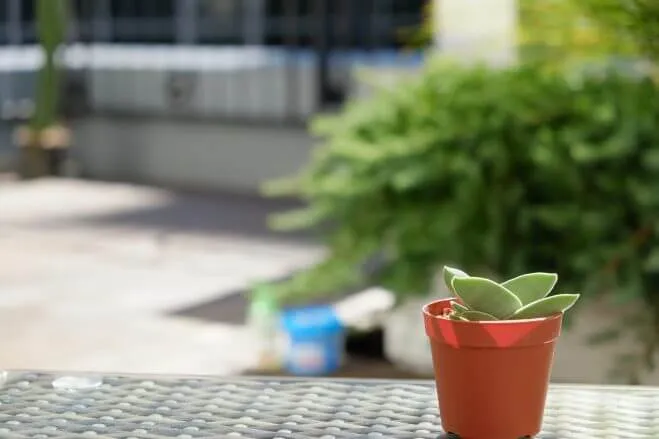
x,y
650,160
532,286
652,261
51,21
546,307
281,187
477,316
298,219
449,273
486,296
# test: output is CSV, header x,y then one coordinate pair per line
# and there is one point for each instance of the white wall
x,y
194,154
477,30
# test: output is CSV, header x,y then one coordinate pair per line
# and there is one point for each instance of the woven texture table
x,y
169,407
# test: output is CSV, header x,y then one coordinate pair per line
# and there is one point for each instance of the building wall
x,y
193,154
7,149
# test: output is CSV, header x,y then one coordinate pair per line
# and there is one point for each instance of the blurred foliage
x,y
559,32
634,23
50,25
51,20
471,166
497,171
421,36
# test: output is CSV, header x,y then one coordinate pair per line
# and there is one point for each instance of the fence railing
x,y
257,60
355,24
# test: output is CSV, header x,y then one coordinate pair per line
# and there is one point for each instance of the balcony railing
x,y
258,60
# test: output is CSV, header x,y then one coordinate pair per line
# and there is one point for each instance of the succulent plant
x,y
523,297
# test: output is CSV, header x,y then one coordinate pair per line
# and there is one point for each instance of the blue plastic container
x,y
315,340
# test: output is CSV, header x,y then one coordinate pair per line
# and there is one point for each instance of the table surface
x,y
148,407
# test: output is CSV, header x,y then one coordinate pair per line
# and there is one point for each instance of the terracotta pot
x,y
491,377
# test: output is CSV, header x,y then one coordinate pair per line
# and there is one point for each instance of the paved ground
x,y
89,271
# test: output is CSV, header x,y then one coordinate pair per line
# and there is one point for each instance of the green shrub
x,y
635,23
505,171
500,172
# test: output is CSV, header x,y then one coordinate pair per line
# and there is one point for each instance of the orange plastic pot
x,y
492,377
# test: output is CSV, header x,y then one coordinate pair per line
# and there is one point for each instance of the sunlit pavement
x,y
82,287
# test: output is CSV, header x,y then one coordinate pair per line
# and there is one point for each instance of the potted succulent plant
x,y
492,348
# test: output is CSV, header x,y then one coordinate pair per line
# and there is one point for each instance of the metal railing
x,y
356,24
276,60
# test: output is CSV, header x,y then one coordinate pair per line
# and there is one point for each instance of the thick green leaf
x,y
546,307
459,308
477,316
486,296
449,273
532,286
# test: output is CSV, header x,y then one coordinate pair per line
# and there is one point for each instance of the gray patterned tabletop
x,y
204,407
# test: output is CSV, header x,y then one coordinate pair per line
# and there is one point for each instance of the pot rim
x,y
428,314
489,334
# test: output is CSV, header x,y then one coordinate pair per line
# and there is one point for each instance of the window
x,y
219,21
143,21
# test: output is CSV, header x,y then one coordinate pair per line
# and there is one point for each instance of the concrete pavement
x,y
89,271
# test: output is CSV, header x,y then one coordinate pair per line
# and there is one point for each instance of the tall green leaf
x,y
486,296
449,273
546,306
532,286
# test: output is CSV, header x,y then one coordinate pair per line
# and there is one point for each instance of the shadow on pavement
x,y
198,213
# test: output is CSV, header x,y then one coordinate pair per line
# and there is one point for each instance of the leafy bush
x,y
635,23
499,172
559,32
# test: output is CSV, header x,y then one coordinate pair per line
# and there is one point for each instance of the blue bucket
x,y
315,340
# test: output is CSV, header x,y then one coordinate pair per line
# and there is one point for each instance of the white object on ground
x,y
364,309
405,340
